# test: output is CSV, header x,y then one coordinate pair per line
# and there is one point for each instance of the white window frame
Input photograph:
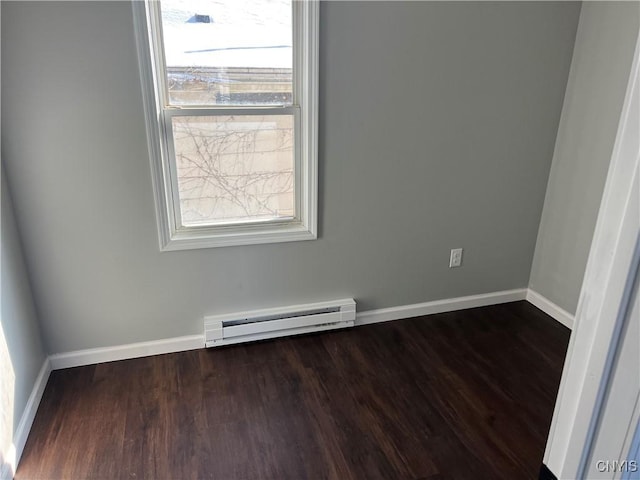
x,y
172,235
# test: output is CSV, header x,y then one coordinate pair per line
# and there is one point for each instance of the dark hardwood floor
x,y
463,395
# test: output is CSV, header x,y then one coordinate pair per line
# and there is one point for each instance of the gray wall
x,y
600,69
437,128
21,350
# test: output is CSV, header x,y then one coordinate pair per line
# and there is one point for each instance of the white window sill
x,y
226,237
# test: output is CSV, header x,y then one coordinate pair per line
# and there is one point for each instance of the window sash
x,y
176,213
155,18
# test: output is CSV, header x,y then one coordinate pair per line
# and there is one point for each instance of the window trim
x,y
159,135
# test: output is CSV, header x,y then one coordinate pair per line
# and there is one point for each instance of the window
x,y
230,95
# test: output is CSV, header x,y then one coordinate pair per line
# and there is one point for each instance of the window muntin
x,y
280,204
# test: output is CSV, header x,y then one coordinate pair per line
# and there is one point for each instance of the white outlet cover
x,y
455,260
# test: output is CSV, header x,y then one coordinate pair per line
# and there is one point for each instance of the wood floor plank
x,y
460,395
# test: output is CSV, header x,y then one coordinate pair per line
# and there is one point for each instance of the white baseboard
x,y
12,457
439,306
192,342
550,308
123,352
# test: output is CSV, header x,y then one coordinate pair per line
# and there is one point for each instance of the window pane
x,y
234,168
228,52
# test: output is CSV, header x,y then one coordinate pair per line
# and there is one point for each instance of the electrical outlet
x,y
455,260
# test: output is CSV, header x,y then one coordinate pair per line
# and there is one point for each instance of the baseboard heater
x,y
278,322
